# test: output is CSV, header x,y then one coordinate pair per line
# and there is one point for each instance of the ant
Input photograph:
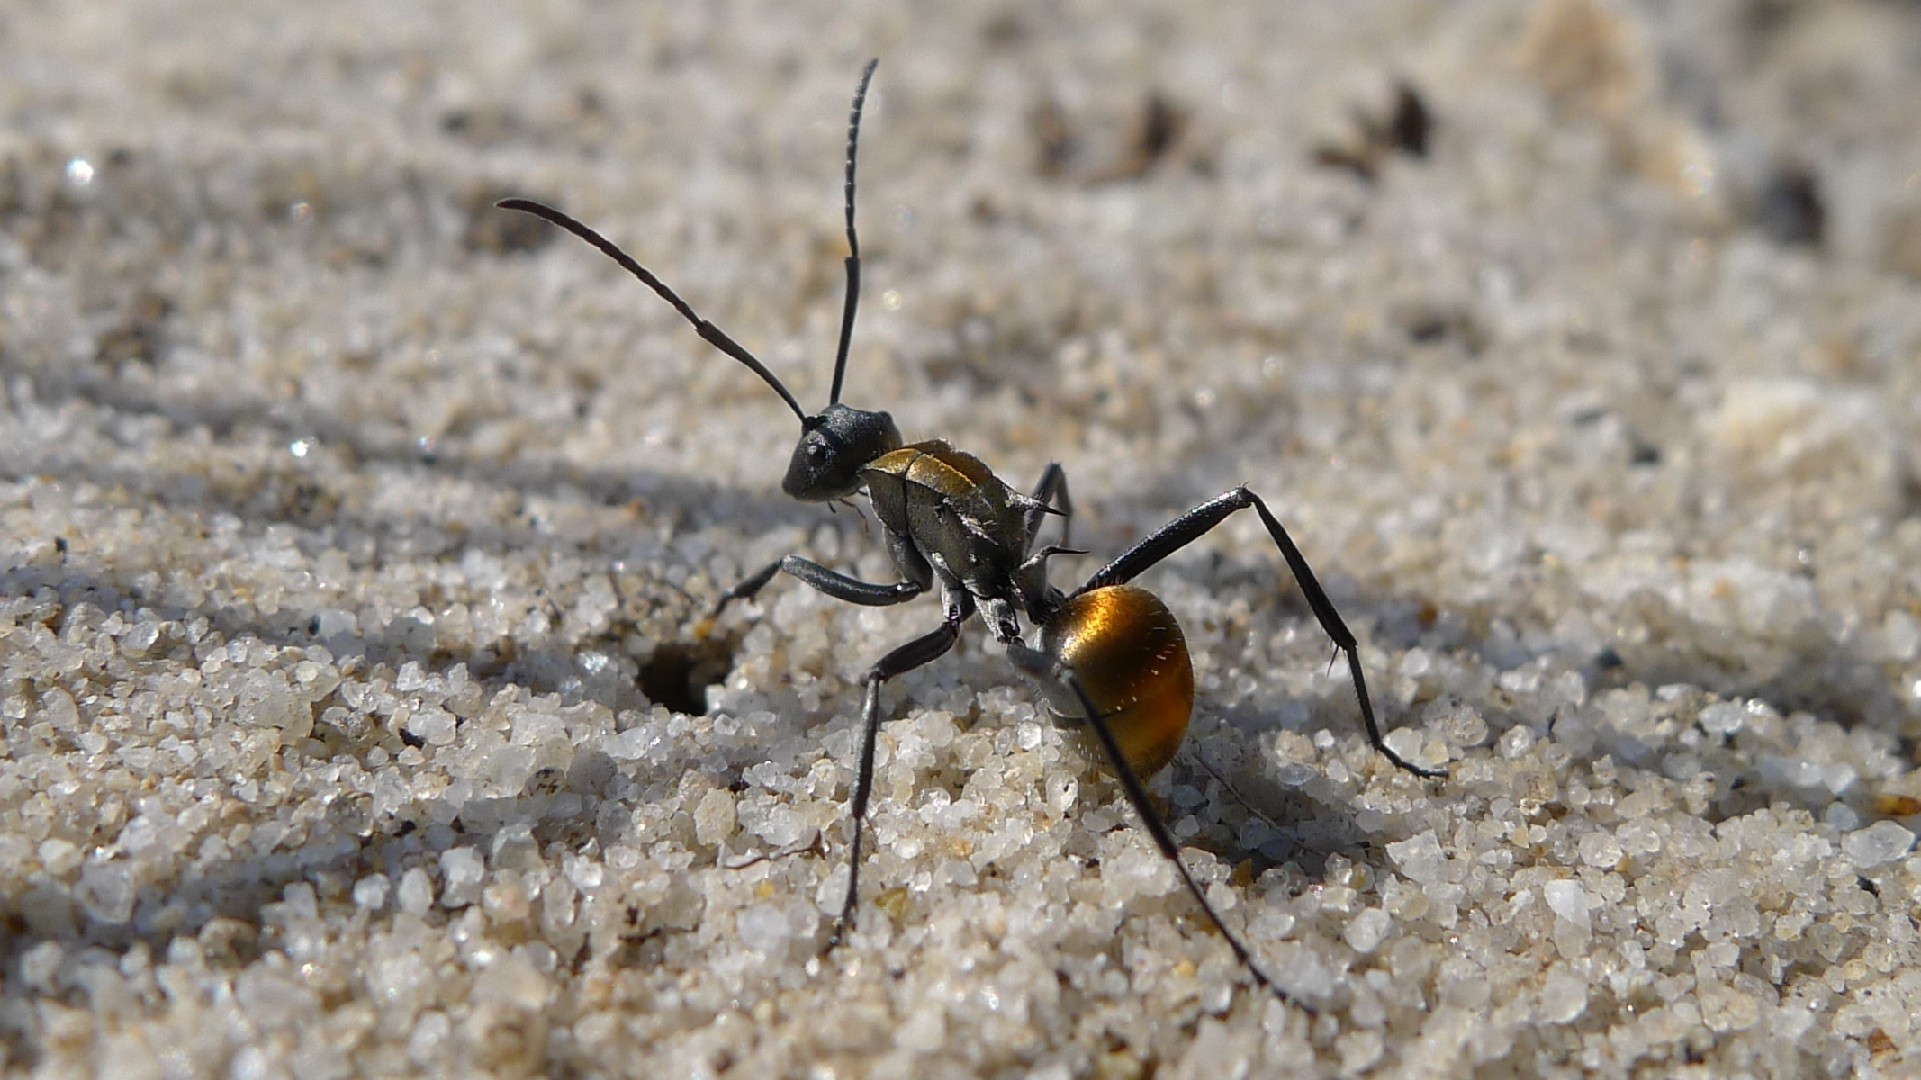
x,y
1110,655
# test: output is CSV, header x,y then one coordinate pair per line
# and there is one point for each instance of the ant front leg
x,y
834,584
921,651
1201,520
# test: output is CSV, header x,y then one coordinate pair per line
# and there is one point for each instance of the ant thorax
x,y
948,515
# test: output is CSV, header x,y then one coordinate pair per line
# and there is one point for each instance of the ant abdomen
x,y
1127,651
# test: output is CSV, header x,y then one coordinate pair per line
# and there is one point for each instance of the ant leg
x,y
1201,520
1053,482
1043,666
1035,592
837,585
1228,786
922,650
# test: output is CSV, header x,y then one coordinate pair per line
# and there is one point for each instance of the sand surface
x,y
361,713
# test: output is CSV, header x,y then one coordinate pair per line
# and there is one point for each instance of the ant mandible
x,y
1110,653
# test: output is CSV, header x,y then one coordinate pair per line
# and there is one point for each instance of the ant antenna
x,y
853,242
710,333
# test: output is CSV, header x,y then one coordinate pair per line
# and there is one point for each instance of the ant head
x,y
835,444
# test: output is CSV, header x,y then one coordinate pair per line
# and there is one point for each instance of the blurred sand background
x,y
356,538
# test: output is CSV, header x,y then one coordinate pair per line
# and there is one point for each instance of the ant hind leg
x,y
1200,521
1042,666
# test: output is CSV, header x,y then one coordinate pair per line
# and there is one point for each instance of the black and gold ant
x,y
1110,655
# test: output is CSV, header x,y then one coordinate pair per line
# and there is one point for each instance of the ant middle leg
x,y
1037,594
1201,520
921,651
1053,483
